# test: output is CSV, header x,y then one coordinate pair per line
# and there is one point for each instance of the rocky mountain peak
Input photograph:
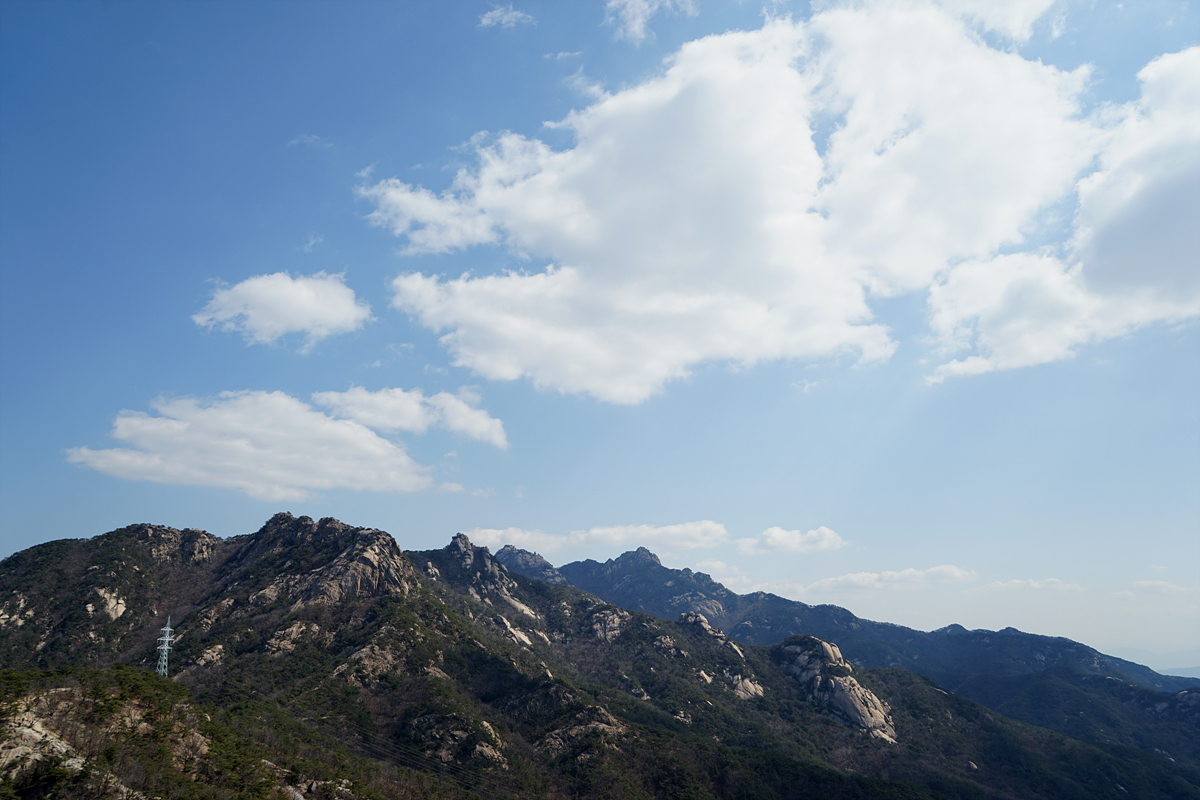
x,y
461,547
525,562
323,562
480,574
638,557
168,544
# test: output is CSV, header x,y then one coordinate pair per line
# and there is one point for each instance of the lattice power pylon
x,y
164,647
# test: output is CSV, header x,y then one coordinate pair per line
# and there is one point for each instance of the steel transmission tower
x,y
164,647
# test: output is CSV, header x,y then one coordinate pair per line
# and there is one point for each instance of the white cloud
x,y
1137,214
775,538
458,413
505,17
390,410
267,307
1013,18
1133,258
269,445
684,536
1052,584
704,215
632,16
904,579
496,538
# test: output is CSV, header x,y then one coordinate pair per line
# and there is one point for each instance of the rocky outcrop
x,y
606,624
825,679
744,688
166,544
698,622
14,611
358,563
111,604
454,738
592,724
60,729
487,579
529,564
28,740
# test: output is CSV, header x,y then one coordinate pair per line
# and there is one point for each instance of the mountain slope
x,y
1005,670
443,666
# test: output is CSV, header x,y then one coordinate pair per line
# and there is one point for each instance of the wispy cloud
x,y
904,579
309,140
505,17
775,539
632,16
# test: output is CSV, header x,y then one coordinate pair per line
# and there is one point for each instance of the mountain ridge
x,y
637,579
441,673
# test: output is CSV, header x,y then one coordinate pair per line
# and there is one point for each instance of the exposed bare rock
x,y
453,738
189,545
608,623
213,613
14,612
516,634
28,740
525,562
284,640
211,656
59,729
668,647
489,580
594,719
358,562
697,621
368,663
744,688
113,605
825,677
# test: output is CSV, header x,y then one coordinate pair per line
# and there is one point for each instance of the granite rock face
x,y
349,563
697,621
524,562
488,579
825,678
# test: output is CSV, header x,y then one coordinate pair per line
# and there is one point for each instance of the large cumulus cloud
x,y
752,201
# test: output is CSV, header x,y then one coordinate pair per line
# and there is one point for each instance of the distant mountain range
x,y
949,656
314,659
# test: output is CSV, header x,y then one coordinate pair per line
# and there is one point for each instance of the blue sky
x,y
889,306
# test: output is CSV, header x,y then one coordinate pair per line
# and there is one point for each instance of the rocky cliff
x,y
826,678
